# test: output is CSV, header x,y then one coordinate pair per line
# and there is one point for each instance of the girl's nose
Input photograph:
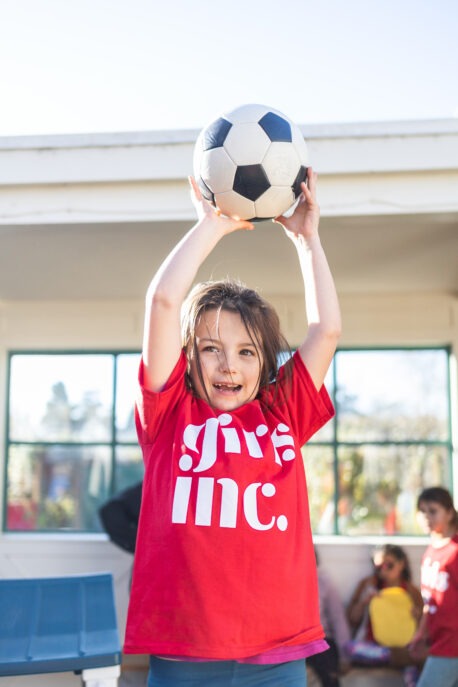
x,y
226,362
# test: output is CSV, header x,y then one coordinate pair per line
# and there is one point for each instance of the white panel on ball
x,y
281,164
217,170
236,143
248,113
300,145
235,205
274,202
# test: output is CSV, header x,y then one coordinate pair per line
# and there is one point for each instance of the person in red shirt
x,y
439,588
224,542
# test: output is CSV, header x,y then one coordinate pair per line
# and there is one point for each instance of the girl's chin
x,y
226,404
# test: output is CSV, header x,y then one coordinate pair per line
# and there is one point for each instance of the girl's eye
x,y
246,351
210,349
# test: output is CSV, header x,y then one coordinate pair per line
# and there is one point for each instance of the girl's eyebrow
x,y
207,338
210,339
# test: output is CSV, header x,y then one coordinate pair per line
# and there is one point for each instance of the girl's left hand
x,y
305,218
207,211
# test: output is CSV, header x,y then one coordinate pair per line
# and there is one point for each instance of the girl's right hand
x,y
306,217
368,594
206,211
418,647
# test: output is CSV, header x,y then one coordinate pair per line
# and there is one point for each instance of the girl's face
x,y
434,517
230,361
390,570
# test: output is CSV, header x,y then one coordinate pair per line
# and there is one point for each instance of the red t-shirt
x,y
439,588
224,565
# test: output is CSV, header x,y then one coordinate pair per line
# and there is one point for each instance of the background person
x,y
119,517
391,570
439,587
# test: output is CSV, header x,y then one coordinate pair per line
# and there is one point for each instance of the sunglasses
x,y
388,565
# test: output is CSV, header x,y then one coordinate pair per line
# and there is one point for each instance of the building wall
x,y
366,171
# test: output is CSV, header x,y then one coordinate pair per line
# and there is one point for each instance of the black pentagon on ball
x,y
215,134
256,220
205,191
277,128
250,181
301,176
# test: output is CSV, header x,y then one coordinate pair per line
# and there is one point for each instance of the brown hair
x,y
399,554
259,317
441,496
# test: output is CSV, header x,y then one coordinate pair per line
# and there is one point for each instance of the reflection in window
x,y
392,439
55,487
69,397
126,383
392,395
71,438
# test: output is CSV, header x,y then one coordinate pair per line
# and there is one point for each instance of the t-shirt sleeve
x,y
453,564
309,408
151,406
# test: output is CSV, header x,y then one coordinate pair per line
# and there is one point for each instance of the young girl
x,y
391,570
224,542
439,587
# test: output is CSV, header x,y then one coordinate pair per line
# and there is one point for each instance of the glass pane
x,y
61,398
129,466
393,395
318,461
56,487
379,486
126,384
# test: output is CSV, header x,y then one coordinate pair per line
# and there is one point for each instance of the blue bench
x,y
60,624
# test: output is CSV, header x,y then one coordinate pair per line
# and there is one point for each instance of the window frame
x,y
333,443
112,445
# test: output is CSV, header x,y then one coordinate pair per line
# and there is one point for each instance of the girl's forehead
x,y
430,505
216,320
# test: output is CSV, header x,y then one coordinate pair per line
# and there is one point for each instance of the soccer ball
x,y
250,163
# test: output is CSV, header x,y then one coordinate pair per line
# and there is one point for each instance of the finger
x,y
305,190
195,188
311,174
311,180
242,223
309,192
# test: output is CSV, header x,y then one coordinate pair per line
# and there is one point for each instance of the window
x,y
391,437
71,438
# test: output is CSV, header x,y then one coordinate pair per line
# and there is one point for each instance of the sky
x,y
89,66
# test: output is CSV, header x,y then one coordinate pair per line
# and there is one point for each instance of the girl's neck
x,y
397,583
440,539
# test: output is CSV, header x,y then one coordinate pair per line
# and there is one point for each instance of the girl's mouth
x,y
227,388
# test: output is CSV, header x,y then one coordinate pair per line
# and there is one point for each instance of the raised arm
x,y
321,303
170,286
